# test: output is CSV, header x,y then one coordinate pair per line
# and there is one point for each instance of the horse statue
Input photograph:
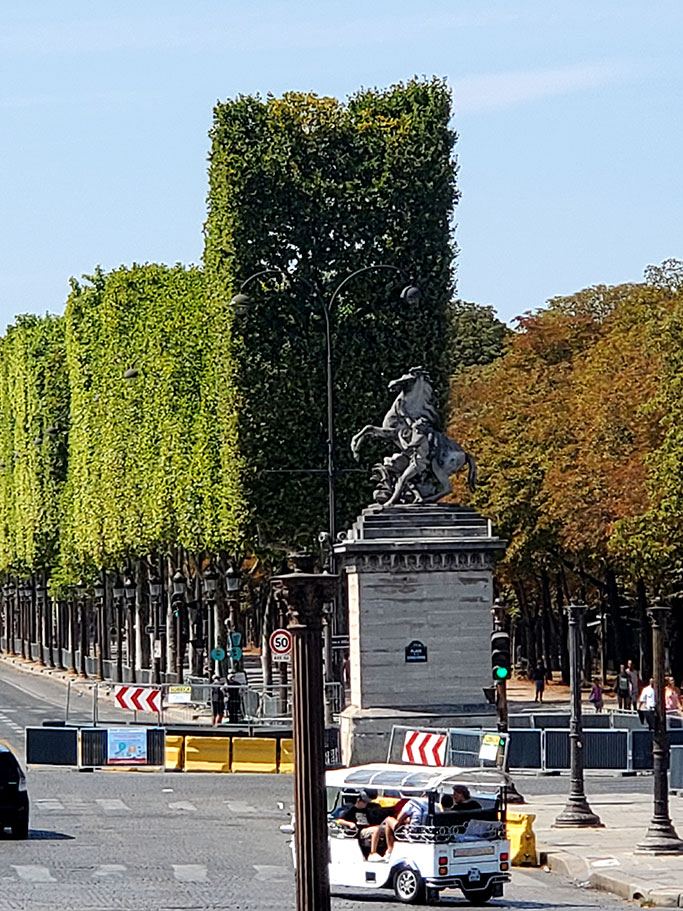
x,y
419,471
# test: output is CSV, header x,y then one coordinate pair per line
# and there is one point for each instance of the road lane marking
x,y
49,804
272,873
241,807
183,805
190,873
33,873
110,870
111,803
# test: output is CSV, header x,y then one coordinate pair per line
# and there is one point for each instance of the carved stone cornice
x,y
412,562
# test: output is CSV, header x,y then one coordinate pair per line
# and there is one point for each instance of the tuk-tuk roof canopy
x,y
404,777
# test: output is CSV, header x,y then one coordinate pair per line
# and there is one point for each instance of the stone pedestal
x,y
420,589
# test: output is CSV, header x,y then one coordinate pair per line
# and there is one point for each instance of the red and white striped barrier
x,y
422,748
140,698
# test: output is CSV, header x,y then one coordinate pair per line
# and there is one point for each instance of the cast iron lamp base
x,y
577,814
660,838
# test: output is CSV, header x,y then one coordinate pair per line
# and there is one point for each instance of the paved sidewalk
x,y
604,858
555,697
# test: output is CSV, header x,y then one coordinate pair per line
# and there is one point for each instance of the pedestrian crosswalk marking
x,y
190,873
109,870
34,873
272,873
183,805
111,803
241,807
49,804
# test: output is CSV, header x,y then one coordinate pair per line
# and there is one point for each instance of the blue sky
x,y
568,114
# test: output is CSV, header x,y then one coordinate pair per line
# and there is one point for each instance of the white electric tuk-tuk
x,y
463,849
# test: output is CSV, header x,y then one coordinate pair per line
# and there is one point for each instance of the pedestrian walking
x,y
539,680
672,697
646,704
623,688
217,701
595,696
634,677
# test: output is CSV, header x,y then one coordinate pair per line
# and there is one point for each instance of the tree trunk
x,y
645,662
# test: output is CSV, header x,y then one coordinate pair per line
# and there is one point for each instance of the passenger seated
x,y
378,840
361,816
462,801
411,816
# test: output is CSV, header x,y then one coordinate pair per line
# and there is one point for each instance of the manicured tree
x,y
34,424
317,189
144,472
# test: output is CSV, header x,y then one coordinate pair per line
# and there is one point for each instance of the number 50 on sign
x,y
281,644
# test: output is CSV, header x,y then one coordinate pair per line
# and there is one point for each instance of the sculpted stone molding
x,y
445,561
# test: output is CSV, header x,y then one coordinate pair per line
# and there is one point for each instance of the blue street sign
x,y
236,639
217,654
236,653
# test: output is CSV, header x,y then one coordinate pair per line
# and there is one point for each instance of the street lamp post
x,y
233,583
209,586
304,594
100,590
130,591
39,596
661,837
21,592
118,592
179,593
8,591
154,583
83,625
577,812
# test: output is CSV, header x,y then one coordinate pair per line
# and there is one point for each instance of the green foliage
x,y
318,189
144,467
34,423
476,335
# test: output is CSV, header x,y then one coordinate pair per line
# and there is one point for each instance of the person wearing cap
x,y
362,814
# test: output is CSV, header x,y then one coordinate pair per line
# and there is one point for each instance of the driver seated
x,y
463,802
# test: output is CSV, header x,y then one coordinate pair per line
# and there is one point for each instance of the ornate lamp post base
x,y
577,814
660,838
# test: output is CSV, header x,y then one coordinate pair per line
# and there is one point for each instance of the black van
x,y
13,795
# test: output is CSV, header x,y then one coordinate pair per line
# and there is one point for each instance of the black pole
x,y
661,837
577,812
60,635
157,641
119,639
72,637
84,637
304,594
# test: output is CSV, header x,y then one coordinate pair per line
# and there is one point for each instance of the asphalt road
x,y
139,841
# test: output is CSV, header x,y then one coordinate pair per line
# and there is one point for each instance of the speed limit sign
x,y
281,644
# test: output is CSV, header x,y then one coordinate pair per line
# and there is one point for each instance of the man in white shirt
x,y
647,702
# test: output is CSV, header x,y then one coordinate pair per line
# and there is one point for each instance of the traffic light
x,y
500,656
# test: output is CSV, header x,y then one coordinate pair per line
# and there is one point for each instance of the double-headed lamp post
x,y
130,592
577,813
410,294
661,837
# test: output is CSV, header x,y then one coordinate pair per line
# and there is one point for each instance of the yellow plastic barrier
x,y
522,839
286,756
207,754
254,754
175,744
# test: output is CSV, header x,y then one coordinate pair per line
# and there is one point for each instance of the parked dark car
x,y
13,795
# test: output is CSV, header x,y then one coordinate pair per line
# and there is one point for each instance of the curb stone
x,y
621,884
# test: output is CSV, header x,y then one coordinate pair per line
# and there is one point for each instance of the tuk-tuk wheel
x,y
409,886
479,896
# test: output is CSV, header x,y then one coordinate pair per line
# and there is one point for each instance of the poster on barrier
x,y
126,746
179,695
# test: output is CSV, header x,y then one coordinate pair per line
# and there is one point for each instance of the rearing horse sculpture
x,y
419,472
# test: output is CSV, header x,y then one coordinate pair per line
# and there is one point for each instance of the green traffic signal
x,y
501,673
